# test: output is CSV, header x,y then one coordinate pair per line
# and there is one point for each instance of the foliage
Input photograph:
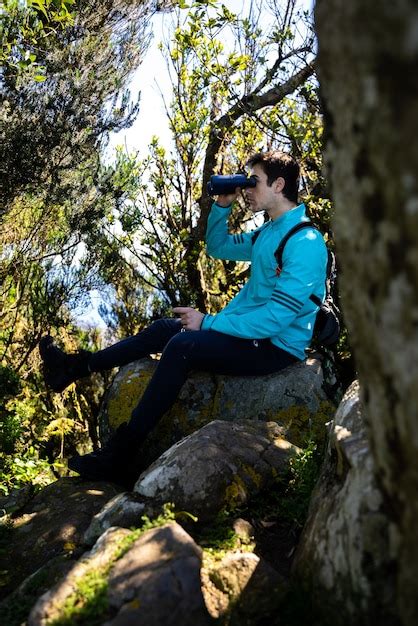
x,y
39,429
223,69
288,499
17,470
56,127
219,538
169,514
9,424
303,474
9,383
51,136
24,30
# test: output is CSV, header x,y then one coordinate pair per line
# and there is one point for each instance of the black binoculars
x,y
227,184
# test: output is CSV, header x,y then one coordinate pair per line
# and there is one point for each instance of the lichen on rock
x,y
293,397
209,470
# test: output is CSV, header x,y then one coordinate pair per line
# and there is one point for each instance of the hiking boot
x,y
114,462
59,368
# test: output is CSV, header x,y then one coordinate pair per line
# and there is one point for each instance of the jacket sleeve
x,y
220,244
304,262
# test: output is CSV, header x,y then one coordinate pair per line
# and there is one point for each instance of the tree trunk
x,y
368,69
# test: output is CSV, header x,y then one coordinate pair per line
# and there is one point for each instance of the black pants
x,y
204,350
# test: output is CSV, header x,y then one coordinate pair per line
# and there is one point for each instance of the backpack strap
x,y
279,252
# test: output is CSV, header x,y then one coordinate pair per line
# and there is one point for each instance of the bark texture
x,y
368,68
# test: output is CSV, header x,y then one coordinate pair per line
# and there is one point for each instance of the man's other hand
x,y
190,318
226,200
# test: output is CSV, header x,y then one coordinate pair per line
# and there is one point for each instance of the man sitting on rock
x,y
265,328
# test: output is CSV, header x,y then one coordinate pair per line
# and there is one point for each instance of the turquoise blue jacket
x,y
271,305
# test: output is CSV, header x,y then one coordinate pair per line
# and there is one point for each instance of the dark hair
x,y
276,164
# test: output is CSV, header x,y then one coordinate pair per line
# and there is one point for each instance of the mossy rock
x,y
294,397
143,578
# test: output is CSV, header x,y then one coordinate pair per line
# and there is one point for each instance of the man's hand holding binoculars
x,y
226,200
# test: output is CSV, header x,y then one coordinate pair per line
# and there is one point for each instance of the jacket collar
x,y
288,219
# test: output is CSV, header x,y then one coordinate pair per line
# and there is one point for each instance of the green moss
x,y
177,423
220,538
288,499
303,474
88,604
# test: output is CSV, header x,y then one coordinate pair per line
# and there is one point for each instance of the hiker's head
x,y
281,170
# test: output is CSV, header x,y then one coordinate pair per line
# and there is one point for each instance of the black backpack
x,y
327,323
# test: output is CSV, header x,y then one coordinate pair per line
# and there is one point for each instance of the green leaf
x,y
38,5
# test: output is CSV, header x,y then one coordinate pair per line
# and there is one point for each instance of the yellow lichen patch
x,y
253,475
181,420
216,402
324,414
300,424
235,493
134,604
129,392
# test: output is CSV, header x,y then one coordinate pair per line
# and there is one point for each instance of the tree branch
x,y
246,105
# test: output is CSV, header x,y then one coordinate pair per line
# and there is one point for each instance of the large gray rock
x,y
158,581
149,581
221,465
124,510
292,397
344,555
51,605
